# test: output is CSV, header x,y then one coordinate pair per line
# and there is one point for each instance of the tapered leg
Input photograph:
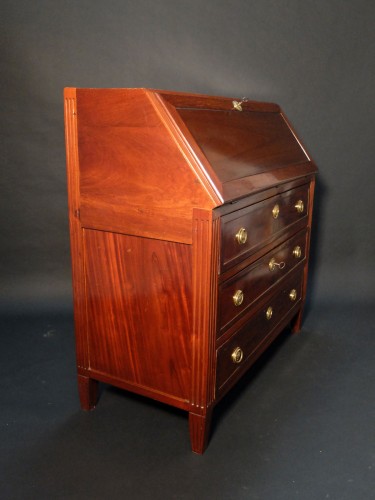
x,y
199,426
88,390
296,322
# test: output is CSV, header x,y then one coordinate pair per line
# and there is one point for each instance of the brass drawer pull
x,y
299,206
272,264
237,355
275,211
238,298
297,252
293,295
269,313
241,236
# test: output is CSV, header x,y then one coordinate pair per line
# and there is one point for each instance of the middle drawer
x,y
239,293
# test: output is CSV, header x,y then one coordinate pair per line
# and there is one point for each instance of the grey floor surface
x,y
300,425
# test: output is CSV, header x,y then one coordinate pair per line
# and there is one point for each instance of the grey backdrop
x,y
315,58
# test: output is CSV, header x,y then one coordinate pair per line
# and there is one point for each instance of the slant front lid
x,y
241,144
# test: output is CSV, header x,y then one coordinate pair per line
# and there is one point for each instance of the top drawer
x,y
246,230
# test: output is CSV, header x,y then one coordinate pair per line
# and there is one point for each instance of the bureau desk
x,y
190,221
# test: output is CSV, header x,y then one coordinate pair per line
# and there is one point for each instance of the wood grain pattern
x,y
76,241
242,144
297,322
241,152
133,176
139,311
199,429
185,142
256,279
251,336
202,101
88,390
260,224
159,183
238,188
284,324
205,262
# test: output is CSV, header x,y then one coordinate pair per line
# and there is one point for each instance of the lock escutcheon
x,y
273,264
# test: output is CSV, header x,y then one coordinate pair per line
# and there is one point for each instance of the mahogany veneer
x,y
190,224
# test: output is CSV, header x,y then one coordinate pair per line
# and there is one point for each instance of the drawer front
x,y
243,232
233,355
240,292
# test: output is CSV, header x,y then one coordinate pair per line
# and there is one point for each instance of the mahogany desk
x,y
190,221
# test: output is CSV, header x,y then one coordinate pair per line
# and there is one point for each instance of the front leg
x,y
88,390
296,322
200,426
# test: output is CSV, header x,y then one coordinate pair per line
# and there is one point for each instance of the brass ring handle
x,y
297,252
275,211
237,355
273,264
269,313
241,236
238,298
299,206
293,295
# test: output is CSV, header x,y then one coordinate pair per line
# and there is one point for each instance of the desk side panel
x,y
134,177
139,313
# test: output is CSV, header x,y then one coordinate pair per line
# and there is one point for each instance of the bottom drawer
x,y
233,355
